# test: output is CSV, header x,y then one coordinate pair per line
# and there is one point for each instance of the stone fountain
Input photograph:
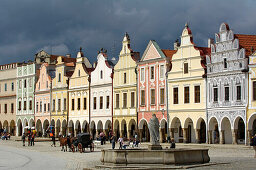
x,y
155,154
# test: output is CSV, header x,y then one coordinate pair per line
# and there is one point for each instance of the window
x,y
53,105
40,106
19,105
161,71
152,72
254,90
12,86
94,103
85,104
5,87
78,73
101,74
101,102
175,95
25,83
65,104
30,104
152,92
186,94
73,104
12,108
162,96
30,82
225,63
37,106
142,97
5,108
180,132
117,100
59,104
25,105
226,93
78,104
132,99
44,107
197,94
46,84
107,103
185,68
215,94
124,78
124,100
20,84
59,77
49,107
238,92
142,74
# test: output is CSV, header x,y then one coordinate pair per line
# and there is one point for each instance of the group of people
x,y
123,143
31,138
5,136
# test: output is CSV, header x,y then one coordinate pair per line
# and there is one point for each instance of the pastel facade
x,y
79,96
101,95
186,91
227,84
8,97
43,96
125,91
152,70
59,104
251,112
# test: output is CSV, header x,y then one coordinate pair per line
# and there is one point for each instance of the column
x,y
234,136
209,136
222,137
197,135
185,135
161,135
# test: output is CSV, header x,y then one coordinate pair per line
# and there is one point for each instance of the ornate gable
x,y
152,51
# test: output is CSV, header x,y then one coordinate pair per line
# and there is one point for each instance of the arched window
x,y
238,89
241,53
217,38
101,74
230,35
235,44
78,73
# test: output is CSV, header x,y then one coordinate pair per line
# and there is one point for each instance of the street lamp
x,y
166,86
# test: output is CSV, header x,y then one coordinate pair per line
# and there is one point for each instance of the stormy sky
x,y
62,26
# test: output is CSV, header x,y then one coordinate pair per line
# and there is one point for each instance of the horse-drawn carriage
x,y
82,141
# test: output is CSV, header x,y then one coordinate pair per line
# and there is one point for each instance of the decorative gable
x,y
152,51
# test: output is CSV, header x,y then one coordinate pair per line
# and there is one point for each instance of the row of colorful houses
x,y
199,94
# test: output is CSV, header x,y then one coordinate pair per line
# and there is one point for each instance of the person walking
x,y
53,139
121,141
32,143
113,141
29,138
23,138
253,144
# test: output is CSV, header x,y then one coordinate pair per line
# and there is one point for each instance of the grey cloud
x,y
62,26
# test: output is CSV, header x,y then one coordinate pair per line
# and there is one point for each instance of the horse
x,y
63,143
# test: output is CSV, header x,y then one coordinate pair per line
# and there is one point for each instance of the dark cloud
x,y
62,26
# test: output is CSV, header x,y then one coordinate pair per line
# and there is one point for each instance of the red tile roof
x,y
246,42
204,50
169,53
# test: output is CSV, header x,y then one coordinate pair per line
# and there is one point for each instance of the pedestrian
x,y
172,143
121,141
253,144
113,140
32,140
53,139
110,135
29,138
23,138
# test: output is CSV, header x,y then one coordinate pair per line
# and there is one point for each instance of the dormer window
x,y
225,63
101,74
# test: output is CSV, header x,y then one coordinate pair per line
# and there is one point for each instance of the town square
x,y
127,84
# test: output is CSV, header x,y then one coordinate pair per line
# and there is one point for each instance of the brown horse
x,y
63,143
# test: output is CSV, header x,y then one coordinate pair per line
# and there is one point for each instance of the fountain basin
x,y
145,156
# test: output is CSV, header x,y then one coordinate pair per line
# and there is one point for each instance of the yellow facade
x,y
251,111
79,96
185,77
124,84
59,101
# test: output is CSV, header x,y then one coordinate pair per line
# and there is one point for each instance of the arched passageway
x,y
99,127
200,131
189,131
93,130
6,126
46,125
57,128
213,134
131,129
163,131
225,133
108,128
39,128
12,128
77,127
85,127
144,131
19,128
117,128
176,130
71,128
64,127
238,131
123,129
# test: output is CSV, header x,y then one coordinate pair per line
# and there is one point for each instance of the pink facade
x,y
43,98
152,89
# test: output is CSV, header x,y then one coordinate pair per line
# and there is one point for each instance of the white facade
x,y
101,94
227,88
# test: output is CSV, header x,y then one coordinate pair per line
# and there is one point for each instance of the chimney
x,y
176,44
68,55
210,41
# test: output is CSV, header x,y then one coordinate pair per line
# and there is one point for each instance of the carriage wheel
x,y
80,147
73,148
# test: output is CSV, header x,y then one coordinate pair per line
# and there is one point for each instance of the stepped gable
x,y
247,42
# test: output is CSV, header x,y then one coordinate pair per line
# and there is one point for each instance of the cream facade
x,y
79,96
125,91
186,91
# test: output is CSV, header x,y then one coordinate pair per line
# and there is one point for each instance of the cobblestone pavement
x,y
43,156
